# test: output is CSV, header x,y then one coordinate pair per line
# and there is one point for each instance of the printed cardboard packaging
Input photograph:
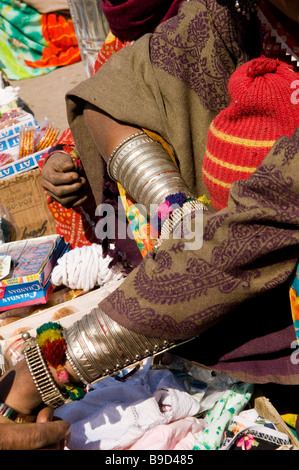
x,y
26,200
32,262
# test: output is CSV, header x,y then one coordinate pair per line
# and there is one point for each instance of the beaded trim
x,y
246,7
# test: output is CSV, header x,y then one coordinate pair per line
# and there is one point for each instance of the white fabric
x,y
116,414
84,268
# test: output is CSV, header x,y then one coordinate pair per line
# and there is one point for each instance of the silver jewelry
x,y
99,346
145,170
246,7
51,395
126,140
176,218
73,366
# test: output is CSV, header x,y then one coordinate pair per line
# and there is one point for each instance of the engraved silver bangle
x,y
99,347
73,366
145,170
50,394
176,218
126,140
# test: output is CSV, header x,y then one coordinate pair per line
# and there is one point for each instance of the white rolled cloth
x,y
84,268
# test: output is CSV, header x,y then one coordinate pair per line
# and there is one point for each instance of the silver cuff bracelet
x,y
50,393
145,170
176,219
99,347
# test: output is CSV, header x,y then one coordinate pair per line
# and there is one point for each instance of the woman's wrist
x,y
16,380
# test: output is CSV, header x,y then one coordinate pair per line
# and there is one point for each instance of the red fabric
x,y
62,45
109,47
72,224
280,34
130,19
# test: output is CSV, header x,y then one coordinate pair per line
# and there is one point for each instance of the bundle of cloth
x,y
36,37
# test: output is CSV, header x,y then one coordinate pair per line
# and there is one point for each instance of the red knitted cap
x,y
260,111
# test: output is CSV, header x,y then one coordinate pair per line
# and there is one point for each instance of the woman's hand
x,y
44,434
61,180
18,391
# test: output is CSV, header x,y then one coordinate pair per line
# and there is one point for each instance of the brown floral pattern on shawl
x,y
179,50
234,288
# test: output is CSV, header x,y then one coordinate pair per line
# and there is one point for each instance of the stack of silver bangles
x,y
145,170
97,346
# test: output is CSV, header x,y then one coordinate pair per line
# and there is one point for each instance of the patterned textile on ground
x,y
172,405
33,44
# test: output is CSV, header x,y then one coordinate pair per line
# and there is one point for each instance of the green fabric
x,y
218,418
21,39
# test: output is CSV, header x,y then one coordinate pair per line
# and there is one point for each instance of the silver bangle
x,y
176,218
73,366
51,395
126,140
145,170
99,347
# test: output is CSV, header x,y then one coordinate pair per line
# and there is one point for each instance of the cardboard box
x,y
26,200
32,261
20,166
10,136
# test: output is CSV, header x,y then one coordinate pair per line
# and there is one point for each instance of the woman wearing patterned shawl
x,y
225,305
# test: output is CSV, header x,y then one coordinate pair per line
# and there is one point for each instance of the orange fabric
x,y
111,45
62,44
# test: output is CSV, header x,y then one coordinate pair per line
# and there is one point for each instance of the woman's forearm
x,y
105,131
140,164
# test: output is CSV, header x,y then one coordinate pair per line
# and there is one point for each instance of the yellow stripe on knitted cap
x,y
215,180
230,166
238,140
